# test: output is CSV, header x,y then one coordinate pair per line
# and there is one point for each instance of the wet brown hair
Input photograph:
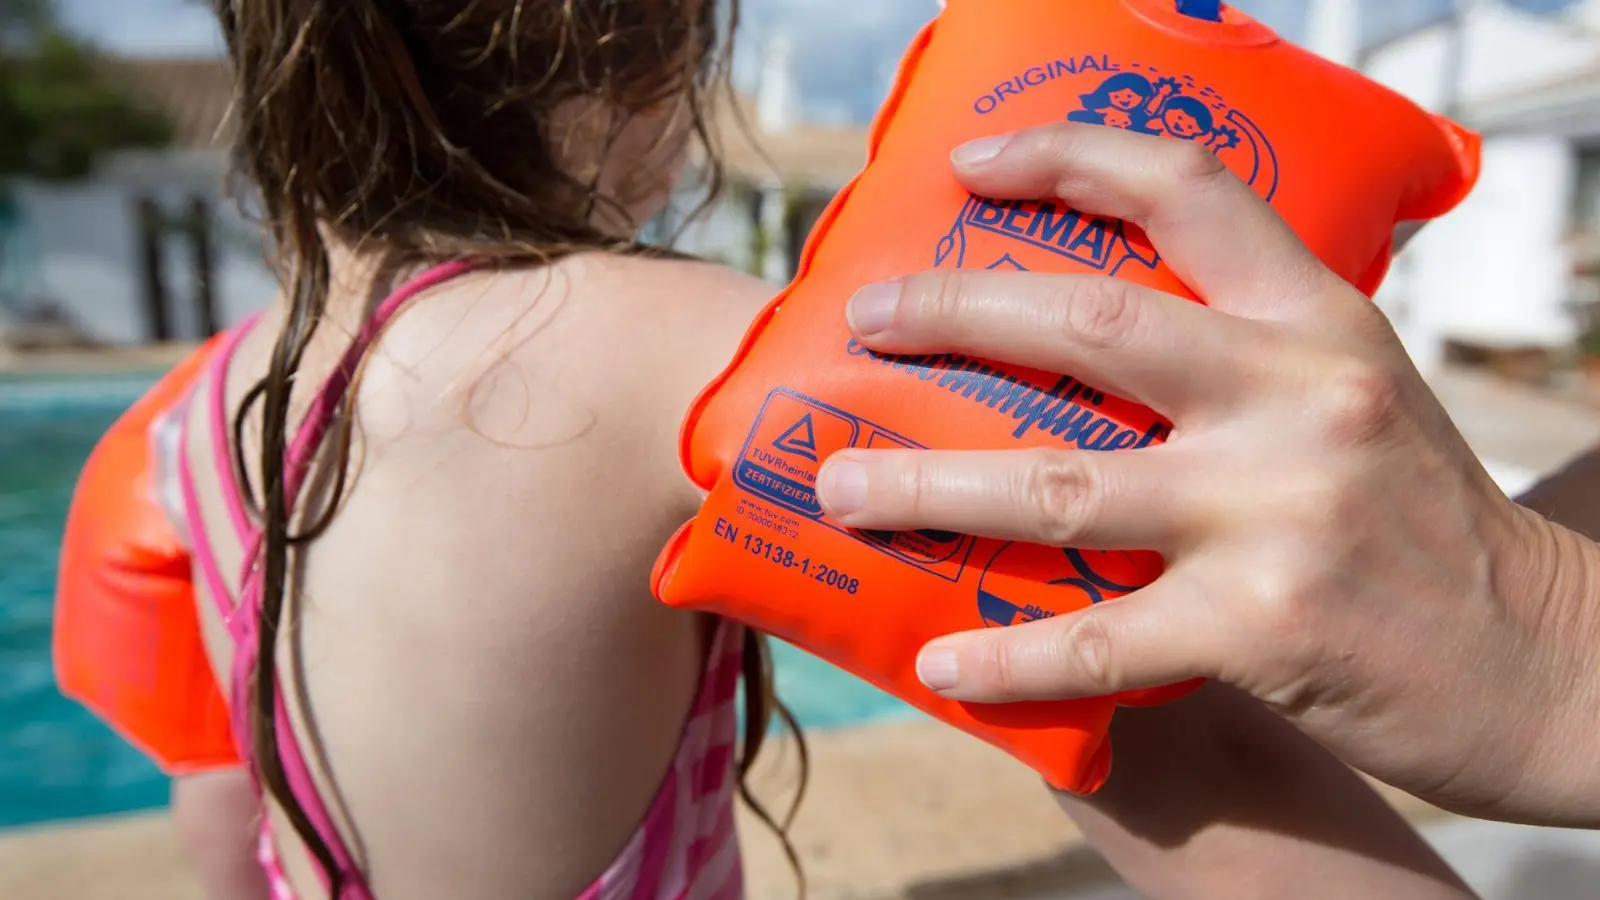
x,y
427,130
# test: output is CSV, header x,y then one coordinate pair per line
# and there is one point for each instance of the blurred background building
x,y
1509,276
145,247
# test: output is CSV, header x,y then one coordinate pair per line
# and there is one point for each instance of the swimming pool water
x,y
823,697
59,762
56,760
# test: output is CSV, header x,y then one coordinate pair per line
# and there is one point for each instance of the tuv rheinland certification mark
x,y
781,460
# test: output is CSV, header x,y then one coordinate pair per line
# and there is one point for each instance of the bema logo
x,y
1135,97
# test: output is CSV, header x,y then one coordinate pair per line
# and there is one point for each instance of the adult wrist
x,y
1551,589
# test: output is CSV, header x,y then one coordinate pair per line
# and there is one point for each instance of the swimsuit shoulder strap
x,y
201,546
325,405
312,431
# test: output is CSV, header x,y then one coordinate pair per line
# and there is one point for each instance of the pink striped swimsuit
x,y
685,849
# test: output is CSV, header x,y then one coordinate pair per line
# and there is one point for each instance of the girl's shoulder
x,y
653,323
597,356
590,324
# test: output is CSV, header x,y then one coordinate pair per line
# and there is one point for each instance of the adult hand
x,y
1333,546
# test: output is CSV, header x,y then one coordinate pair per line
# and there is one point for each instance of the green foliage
x,y
792,198
1586,315
1589,341
60,110
760,241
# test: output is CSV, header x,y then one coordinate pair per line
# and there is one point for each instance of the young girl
x,y
424,489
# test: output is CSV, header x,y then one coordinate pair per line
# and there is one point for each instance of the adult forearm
x,y
1566,775
1555,601
1216,796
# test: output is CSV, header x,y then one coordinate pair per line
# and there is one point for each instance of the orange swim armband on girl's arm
x,y
127,631
1341,158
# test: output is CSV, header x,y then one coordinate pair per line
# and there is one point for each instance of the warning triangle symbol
x,y
800,439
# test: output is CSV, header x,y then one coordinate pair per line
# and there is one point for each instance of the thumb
x,y
1144,641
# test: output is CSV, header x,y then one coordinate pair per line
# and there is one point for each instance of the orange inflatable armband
x,y
1341,158
127,631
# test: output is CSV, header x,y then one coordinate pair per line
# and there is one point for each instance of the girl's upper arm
x,y
1250,808
715,308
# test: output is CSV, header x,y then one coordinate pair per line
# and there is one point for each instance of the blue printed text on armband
x,y
1066,410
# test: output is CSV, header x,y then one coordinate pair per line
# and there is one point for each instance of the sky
x,y
844,50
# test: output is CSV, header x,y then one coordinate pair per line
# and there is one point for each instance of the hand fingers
x,y
1151,639
1060,498
1222,239
1141,344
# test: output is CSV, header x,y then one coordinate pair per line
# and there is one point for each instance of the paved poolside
x,y
914,811
95,361
910,811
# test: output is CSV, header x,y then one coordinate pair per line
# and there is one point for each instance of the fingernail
x,y
938,669
871,310
843,486
978,152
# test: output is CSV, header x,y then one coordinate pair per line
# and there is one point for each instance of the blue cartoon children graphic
x,y
1125,100
1130,101
1133,97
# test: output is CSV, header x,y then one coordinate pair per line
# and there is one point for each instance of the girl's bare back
x,y
495,695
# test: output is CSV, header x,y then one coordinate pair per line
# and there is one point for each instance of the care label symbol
x,y
800,439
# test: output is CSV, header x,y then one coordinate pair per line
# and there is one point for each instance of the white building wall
x,y
1503,50
85,247
724,232
1496,272
1493,273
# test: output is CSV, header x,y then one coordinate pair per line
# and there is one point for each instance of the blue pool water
x,y
56,760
